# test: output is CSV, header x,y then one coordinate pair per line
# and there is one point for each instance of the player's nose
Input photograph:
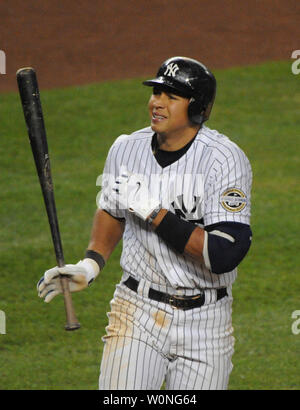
x,y
159,100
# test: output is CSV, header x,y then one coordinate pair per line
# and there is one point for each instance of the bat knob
x,y
24,70
72,326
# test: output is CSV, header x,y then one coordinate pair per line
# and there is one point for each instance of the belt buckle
x,y
172,299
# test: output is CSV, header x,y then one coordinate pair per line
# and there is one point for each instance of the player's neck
x,y
174,142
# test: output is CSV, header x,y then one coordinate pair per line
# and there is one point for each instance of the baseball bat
x,y
32,108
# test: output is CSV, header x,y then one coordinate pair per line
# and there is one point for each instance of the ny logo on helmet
x,y
171,70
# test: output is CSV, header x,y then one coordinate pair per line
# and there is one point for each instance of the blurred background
x,y
85,41
90,58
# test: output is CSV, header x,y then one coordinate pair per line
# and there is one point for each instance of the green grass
x,y
257,107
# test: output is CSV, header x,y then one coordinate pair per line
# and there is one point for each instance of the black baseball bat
x,y
32,108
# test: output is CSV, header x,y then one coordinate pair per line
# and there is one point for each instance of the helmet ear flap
x,y
196,111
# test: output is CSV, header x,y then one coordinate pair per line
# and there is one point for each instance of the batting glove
x,y
79,275
132,193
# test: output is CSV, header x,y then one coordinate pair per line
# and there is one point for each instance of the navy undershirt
x,y
165,158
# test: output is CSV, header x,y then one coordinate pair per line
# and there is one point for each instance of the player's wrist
x,y
91,269
93,263
157,216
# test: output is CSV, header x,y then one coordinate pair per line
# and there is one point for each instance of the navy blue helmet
x,y
191,79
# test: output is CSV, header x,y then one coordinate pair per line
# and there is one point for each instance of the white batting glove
x,y
79,275
132,193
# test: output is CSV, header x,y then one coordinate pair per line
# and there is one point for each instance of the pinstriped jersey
x,y
209,184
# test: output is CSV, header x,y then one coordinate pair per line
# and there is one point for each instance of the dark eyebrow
x,y
170,94
159,90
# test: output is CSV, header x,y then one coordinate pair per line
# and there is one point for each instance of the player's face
x,y
168,113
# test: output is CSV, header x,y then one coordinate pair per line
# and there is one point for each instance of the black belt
x,y
177,302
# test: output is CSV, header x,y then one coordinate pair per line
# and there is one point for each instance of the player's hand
x,y
132,193
79,275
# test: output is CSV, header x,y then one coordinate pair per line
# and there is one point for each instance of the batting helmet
x,y
191,79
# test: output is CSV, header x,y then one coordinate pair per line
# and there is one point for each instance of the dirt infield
x,y
77,42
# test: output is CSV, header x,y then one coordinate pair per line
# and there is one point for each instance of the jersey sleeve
x,y
111,170
227,189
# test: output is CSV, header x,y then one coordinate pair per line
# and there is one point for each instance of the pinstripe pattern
x,y
148,342
211,165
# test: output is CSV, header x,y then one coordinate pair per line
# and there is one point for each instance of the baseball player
x,y
178,195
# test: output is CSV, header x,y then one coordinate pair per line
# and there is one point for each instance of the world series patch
x,y
233,200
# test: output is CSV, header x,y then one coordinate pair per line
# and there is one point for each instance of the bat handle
x,y
72,322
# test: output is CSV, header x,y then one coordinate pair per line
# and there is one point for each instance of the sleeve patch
x,y
233,200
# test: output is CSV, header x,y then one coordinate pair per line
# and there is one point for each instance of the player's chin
x,y
158,126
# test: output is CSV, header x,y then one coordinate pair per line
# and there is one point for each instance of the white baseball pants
x,y
149,343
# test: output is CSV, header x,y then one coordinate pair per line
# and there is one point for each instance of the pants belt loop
x,y
143,288
210,296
